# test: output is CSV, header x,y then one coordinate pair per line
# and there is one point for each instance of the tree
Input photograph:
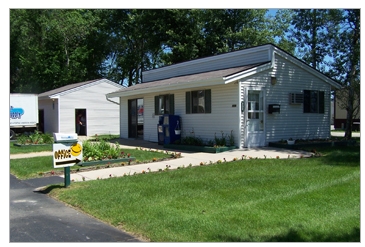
x,y
135,37
346,62
310,34
329,40
55,47
52,48
206,32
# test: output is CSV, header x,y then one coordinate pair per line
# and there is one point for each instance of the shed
x,y
340,116
58,108
255,96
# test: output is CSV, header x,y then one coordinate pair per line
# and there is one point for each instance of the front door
x,y
254,115
135,118
132,118
80,116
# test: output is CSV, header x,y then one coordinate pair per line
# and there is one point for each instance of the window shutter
x,y
172,104
188,102
157,105
208,101
321,102
306,102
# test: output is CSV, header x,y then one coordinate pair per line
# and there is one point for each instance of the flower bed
x,y
205,149
193,143
106,161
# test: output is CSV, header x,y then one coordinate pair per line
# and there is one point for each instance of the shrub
x,y
35,138
220,141
101,150
192,140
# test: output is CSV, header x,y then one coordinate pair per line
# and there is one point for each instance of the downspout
x,y
106,96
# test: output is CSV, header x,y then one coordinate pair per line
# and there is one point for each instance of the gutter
x,y
106,96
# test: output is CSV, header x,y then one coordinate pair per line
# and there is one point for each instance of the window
x,y
164,104
198,101
313,101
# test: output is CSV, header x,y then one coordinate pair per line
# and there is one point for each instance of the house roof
x,y
215,77
186,81
74,87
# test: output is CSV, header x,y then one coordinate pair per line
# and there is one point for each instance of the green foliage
x,y
192,140
101,150
59,45
220,141
35,138
224,140
65,46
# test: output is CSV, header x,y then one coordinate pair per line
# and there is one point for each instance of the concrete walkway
x,y
187,159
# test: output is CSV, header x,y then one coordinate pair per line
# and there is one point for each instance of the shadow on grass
x,y
294,235
346,156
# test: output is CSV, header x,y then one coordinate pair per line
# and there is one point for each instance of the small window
x,y
313,101
198,101
164,104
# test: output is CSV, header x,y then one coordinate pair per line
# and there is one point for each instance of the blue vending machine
x,y
169,129
160,134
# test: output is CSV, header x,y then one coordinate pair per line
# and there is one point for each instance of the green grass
x,y
106,137
36,167
30,148
265,200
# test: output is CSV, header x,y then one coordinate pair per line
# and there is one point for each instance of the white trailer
x,y
23,113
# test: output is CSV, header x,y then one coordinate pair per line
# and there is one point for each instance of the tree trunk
x,y
350,110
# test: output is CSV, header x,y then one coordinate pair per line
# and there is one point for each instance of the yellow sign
x,y
66,154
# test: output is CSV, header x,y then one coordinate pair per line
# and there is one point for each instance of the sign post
x,y
67,152
67,179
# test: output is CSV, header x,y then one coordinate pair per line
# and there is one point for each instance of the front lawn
x,y
256,200
30,148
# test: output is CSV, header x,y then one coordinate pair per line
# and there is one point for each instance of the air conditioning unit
x,y
296,98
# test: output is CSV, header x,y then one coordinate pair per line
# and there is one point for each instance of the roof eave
x,y
167,88
246,73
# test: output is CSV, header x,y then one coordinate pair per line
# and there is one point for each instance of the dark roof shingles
x,y
189,78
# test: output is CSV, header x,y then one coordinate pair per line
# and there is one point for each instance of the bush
x,y
101,150
35,138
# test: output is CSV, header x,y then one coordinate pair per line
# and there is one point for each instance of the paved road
x,y
36,217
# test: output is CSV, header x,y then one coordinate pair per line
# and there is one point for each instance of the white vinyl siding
x,y
102,115
292,122
203,125
50,111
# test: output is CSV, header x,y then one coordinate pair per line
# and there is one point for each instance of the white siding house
x,y
58,108
234,93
